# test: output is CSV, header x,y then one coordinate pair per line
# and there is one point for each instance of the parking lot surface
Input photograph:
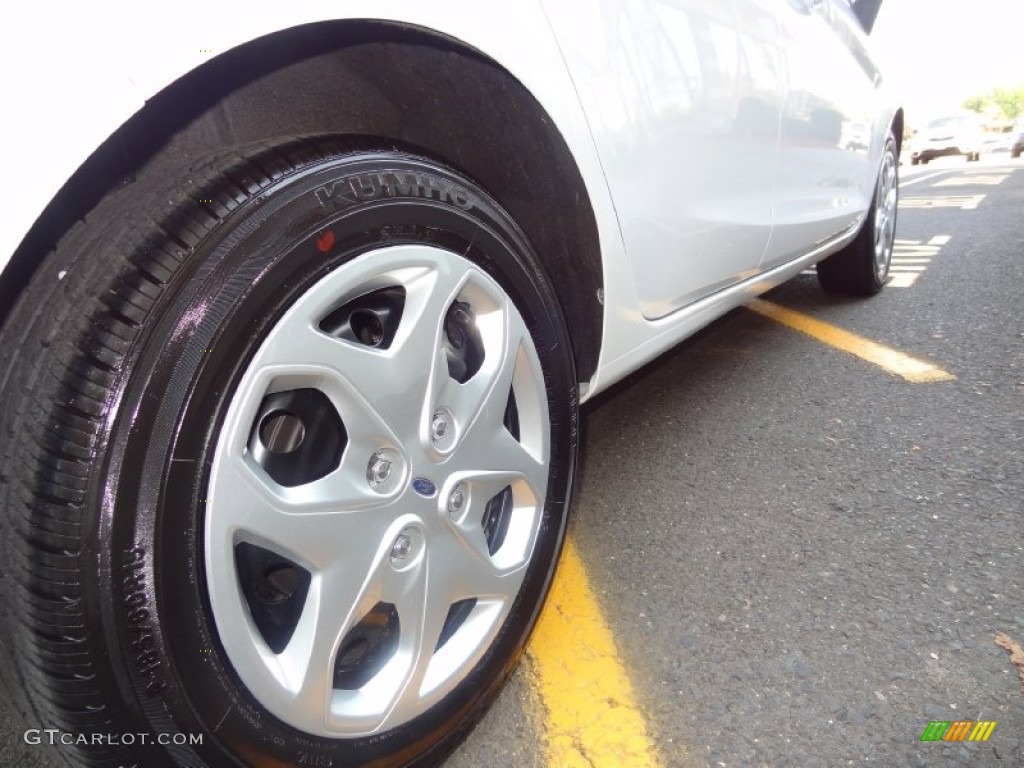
x,y
806,558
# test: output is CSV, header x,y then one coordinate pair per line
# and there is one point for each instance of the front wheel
x,y
862,267
293,457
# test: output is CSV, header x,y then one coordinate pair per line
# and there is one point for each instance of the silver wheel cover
x,y
886,201
391,541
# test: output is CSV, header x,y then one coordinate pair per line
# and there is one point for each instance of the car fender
x,y
67,105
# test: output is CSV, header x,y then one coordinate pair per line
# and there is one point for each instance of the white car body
x,y
708,133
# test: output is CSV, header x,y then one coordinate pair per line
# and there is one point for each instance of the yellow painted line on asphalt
x,y
985,179
910,368
919,179
593,719
963,202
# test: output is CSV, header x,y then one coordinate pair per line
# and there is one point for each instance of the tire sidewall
x,y
178,380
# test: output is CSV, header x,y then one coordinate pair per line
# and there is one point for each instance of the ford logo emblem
x,y
424,487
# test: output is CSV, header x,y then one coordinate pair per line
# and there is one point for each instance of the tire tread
x,y
66,339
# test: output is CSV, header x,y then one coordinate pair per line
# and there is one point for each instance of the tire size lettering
x,y
250,716
408,232
137,615
315,761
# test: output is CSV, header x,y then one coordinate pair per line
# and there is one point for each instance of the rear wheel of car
x,y
290,443
862,267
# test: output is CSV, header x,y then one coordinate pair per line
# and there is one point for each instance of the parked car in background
x,y
995,143
1017,141
300,302
944,136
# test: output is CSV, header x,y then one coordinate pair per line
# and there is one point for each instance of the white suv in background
x,y
943,136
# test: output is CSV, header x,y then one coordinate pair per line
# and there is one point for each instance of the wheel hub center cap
x,y
424,486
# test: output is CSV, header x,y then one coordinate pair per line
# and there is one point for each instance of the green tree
x,y
1009,101
977,104
1005,103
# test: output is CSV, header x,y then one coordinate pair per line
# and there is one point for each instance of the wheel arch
x,y
897,130
398,84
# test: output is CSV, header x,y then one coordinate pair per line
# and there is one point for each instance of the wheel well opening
x,y
897,130
396,83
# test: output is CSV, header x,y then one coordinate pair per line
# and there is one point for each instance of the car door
x,y
685,117
825,179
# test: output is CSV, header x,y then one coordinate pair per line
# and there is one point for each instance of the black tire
x,y
915,161
973,157
862,267
122,357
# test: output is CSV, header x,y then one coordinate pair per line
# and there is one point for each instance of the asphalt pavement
x,y
803,558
